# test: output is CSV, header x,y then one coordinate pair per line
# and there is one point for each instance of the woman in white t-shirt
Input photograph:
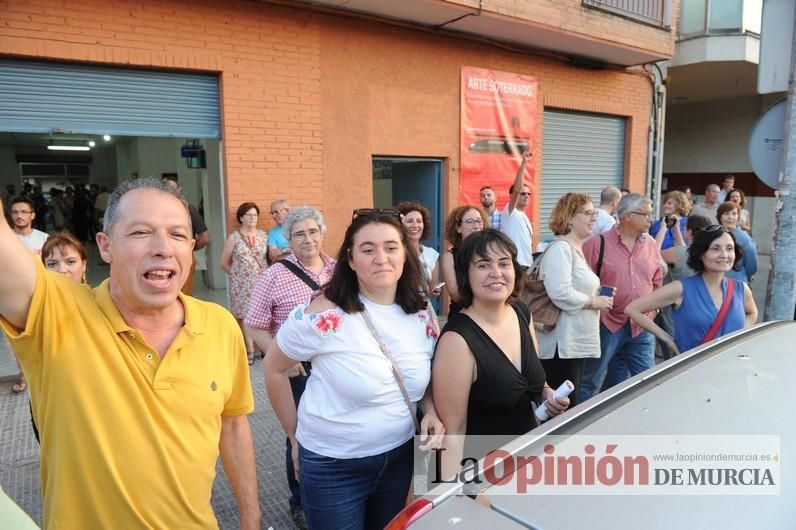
x,y
352,435
417,220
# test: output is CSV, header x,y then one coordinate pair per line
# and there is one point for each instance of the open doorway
x,y
411,179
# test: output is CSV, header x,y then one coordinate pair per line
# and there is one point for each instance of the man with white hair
x,y
625,258
283,286
135,387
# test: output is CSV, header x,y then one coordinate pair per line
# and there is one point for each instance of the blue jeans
x,y
621,356
297,385
354,493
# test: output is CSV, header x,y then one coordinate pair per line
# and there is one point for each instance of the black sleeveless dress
x,y
501,397
454,307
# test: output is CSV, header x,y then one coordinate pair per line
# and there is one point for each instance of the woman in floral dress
x,y
243,259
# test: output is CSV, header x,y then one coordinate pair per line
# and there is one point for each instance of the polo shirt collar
x,y
195,317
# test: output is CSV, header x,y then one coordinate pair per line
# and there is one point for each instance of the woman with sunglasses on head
x,y
243,258
728,215
370,339
417,220
461,222
486,370
707,305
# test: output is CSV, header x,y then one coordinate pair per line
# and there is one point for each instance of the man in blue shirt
x,y
278,246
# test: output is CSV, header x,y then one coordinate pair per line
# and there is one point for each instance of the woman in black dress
x,y
486,373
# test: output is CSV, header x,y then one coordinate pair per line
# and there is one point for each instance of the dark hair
x,y
343,287
407,207
23,199
245,207
701,244
695,223
477,245
485,188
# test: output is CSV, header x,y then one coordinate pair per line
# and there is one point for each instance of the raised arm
x,y
519,178
17,276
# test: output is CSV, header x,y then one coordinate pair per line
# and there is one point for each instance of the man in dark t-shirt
x,y
200,233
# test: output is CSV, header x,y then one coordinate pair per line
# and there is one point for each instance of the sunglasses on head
x,y
713,228
373,212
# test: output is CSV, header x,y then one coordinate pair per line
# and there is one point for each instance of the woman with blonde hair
x,y
572,287
669,230
461,222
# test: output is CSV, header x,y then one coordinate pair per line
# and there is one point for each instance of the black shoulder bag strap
x,y
303,276
600,258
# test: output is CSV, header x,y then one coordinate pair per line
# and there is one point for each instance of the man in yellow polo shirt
x,y
136,388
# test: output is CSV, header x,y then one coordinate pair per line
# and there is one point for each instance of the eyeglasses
x,y
250,215
274,212
372,212
644,214
525,193
473,221
21,212
312,233
590,213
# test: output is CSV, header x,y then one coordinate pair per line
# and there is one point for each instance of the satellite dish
x,y
765,144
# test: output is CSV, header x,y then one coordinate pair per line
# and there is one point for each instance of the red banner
x,y
498,123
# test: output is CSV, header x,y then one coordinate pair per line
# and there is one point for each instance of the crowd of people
x,y
355,360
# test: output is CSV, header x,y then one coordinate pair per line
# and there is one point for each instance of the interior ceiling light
x,y
68,148
107,137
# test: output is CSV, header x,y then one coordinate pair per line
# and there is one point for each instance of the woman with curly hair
x,y
461,222
669,230
417,220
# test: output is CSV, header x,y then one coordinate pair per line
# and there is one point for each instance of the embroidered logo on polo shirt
x,y
213,386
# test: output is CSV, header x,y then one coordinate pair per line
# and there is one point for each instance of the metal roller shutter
x,y
583,153
37,97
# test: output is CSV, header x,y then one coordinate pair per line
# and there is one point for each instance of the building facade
x,y
312,97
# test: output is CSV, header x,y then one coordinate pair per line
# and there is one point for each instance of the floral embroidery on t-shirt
x,y
327,322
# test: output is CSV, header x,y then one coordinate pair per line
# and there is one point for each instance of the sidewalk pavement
x,y
19,460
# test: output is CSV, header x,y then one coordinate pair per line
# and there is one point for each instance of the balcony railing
x,y
655,12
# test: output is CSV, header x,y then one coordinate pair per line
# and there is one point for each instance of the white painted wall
x,y
709,137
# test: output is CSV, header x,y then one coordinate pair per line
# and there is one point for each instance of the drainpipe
x,y
655,142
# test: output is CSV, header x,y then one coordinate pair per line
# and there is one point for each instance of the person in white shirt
x,y
353,433
573,288
516,224
727,185
23,213
609,200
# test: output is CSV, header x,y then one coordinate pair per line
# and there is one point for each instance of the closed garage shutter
x,y
582,153
37,97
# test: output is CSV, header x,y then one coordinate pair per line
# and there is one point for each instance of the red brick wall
x,y
307,99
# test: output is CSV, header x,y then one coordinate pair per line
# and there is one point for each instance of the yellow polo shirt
x,y
129,440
